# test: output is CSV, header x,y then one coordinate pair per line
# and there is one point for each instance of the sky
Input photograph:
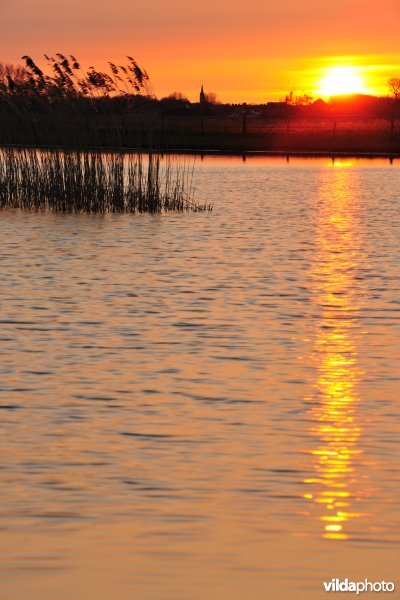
x,y
253,51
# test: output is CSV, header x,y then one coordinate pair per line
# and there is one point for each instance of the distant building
x,y
203,98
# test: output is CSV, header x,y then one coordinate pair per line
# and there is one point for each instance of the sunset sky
x,y
252,51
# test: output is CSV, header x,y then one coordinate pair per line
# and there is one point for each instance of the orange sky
x,y
255,50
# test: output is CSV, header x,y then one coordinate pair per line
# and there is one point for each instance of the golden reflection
x,y
341,163
335,287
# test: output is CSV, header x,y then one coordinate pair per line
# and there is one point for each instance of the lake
x,y
205,406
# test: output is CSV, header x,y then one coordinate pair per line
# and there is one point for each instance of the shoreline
x,y
288,153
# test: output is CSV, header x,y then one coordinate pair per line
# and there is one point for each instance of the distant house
x,y
320,107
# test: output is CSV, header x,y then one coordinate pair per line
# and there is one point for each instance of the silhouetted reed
x,y
65,105
65,78
94,182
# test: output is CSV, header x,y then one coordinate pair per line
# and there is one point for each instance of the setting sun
x,y
342,80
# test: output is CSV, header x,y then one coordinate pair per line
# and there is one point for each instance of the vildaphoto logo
x,y
358,587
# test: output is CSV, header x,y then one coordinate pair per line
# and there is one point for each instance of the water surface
x,y
204,405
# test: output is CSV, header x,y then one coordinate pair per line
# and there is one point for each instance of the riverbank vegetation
x,y
94,182
65,105
57,127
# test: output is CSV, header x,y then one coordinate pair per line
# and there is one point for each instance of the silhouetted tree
x,y
394,87
177,96
289,98
211,98
304,100
175,103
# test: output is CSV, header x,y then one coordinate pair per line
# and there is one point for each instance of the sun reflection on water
x,y
335,488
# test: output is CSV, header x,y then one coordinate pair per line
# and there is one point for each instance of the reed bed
x,y
94,182
65,105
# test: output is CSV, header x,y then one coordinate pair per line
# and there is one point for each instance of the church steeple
x,y
202,95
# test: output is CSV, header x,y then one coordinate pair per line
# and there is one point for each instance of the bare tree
x,y
394,87
177,96
212,98
304,100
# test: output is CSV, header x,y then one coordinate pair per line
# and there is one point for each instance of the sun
x,y
341,80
